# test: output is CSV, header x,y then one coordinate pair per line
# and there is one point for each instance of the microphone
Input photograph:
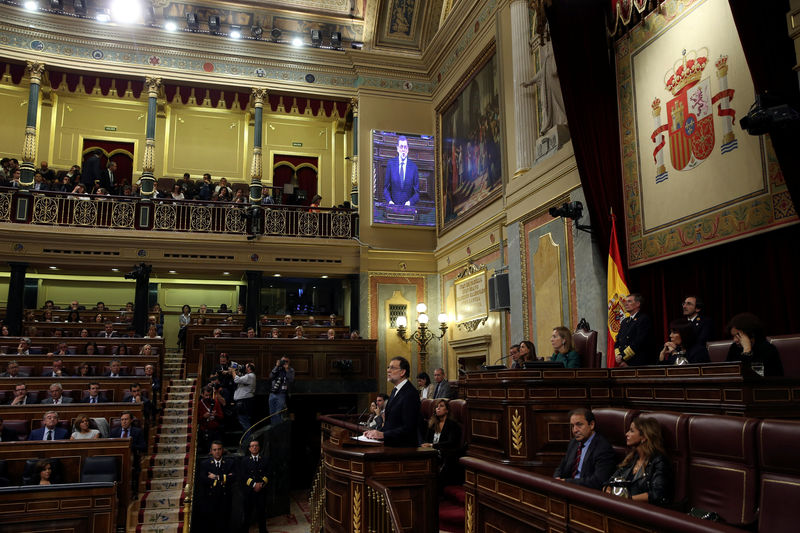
x,y
500,361
361,415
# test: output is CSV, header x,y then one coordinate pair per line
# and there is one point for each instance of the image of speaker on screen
x,y
401,182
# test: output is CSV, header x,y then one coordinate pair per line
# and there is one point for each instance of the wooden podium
x,y
374,488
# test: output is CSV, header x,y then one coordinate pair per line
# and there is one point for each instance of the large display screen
x,y
403,179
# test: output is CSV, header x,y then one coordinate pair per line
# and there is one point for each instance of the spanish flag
x,y
617,291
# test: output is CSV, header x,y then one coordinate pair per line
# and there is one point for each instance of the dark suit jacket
x,y
100,399
106,181
598,464
9,435
211,489
122,373
703,327
636,334
252,472
445,390
90,172
402,418
137,438
393,187
58,434
64,399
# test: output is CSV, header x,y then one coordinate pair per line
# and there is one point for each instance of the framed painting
x,y
469,143
692,177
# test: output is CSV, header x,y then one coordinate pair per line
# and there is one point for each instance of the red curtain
x,y
287,165
119,154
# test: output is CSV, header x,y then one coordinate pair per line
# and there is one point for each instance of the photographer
x,y
281,377
245,380
211,417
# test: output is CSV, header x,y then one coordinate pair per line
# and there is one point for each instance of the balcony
x,y
59,209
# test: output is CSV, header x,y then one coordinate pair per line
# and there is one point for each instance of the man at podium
x,y
401,416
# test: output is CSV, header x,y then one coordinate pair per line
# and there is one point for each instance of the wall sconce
x,y
422,335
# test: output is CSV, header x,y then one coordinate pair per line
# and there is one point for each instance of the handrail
x,y
189,487
382,516
316,499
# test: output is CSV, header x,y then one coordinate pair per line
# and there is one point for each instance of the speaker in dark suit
x,y
401,426
596,462
401,181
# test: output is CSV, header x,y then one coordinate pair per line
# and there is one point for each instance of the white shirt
x,y
246,386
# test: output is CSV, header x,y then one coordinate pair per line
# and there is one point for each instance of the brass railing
x,y
316,500
381,516
134,213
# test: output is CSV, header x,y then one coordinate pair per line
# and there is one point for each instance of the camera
x,y
141,270
768,114
573,210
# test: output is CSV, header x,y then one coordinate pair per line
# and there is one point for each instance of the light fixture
x,y
79,6
114,270
170,25
256,31
173,272
336,39
276,275
236,32
297,41
213,23
422,335
53,267
275,34
356,45
226,273
191,21
31,5
103,15
316,37
126,11
325,276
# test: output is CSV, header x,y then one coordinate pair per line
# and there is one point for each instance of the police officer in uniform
x,y
216,477
634,344
253,477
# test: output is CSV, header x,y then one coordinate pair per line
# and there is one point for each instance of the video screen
x,y
403,179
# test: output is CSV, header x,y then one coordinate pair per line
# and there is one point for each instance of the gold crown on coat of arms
x,y
686,70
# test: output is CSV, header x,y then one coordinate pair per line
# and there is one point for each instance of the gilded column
x,y
28,167
256,168
524,100
354,159
148,183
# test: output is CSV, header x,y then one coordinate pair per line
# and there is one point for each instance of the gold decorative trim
x,y
523,270
516,431
469,525
356,508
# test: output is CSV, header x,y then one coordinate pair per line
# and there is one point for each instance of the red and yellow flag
x,y
617,291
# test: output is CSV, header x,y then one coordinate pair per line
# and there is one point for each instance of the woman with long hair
x,y
561,340
646,469
424,385
82,429
682,346
444,434
43,472
527,351
146,350
73,316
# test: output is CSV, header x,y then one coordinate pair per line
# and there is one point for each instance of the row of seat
x,y
77,395
744,469
74,370
94,470
788,347
74,350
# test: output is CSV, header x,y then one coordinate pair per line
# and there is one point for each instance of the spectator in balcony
x,y
646,469
43,472
177,192
315,201
79,193
46,172
223,184
187,186
91,170
224,195
561,340
239,197
82,430
73,317
13,371
49,429
206,188
751,346
266,199
39,183
91,348
444,435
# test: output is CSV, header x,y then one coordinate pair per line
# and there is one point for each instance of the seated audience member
x,y
354,336
203,309
633,346
49,429
98,319
155,383
646,471
73,317
91,348
127,430
81,429
217,333
146,350
377,412
20,395
287,320
12,371
84,333
311,321
561,340
211,417
108,330
100,306
4,331
251,333
43,472
275,333
527,352
682,346
56,395
331,334
444,434
441,387
332,319
94,394
47,316
590,458
116,369
58,369
514,356
7,434
751,346
693,312
240,309
298,333
152,332
425,386
23,348
62,349
84,370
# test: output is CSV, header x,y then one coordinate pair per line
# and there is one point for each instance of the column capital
x,y
354,105
259,93
36,69
153,84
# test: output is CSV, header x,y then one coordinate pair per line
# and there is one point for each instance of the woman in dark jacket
x,y
646,468
444,434
682,343
750,345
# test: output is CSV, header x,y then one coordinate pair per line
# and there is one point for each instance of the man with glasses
x,y
401,416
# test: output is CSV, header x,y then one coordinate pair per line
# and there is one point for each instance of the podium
x,y
373,488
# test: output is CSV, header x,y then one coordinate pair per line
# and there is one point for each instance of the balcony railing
x,y
194,216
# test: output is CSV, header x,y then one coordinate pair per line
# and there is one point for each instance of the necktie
x,y
436,391
94,400
124,433
577,460
216,463
392,394
49,434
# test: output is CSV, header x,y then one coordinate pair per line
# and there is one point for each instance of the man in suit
x,y
7,434
401,181
126,430
216,477
56,396
94,395
49,429
401,422
115,370
57,371
108,330
12,371
253,477
136,395
91,170
20,395
442,387
634,343
693,313
513,354
590,458
108,178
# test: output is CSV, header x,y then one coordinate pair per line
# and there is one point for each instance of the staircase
x,y
165,471
451,509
